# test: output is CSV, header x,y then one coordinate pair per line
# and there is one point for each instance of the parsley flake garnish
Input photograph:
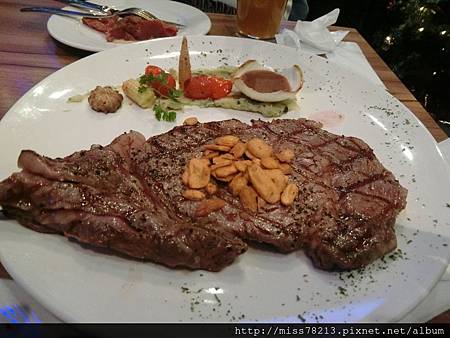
x,y
174,94
147,79
165,115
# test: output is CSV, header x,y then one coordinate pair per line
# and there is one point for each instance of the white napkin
x,y
313,36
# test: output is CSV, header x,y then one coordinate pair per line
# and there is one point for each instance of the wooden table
x,y
28,55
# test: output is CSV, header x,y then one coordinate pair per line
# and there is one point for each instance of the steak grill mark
x,y
127,196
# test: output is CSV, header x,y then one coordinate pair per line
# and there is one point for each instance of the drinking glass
x,y
259,19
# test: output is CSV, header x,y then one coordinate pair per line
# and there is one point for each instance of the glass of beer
x,y
260,19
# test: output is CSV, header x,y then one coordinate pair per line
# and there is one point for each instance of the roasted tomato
x,y
207,87
162,83
197,87
220,87
153,70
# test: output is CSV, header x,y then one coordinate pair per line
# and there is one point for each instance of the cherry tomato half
x,y
220,87
162,87
207,87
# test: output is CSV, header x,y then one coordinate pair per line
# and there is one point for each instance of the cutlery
x,y
111,10
89,5
128,11
58,11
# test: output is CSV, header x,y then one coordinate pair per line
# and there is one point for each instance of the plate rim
x,y
54,32
66,316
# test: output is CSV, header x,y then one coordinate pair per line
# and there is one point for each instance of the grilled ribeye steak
x,y
95,197
128,197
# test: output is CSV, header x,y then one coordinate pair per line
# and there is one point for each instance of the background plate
x,y
80,284
74,33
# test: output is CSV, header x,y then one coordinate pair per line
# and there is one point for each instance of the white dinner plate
x,y
72,32
80,284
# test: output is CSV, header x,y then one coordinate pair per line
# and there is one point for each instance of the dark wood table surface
x,y
28,54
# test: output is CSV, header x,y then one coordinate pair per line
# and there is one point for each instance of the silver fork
x,y
143,14
128,11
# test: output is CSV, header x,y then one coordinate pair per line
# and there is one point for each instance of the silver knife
x,y
55,10
89,6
